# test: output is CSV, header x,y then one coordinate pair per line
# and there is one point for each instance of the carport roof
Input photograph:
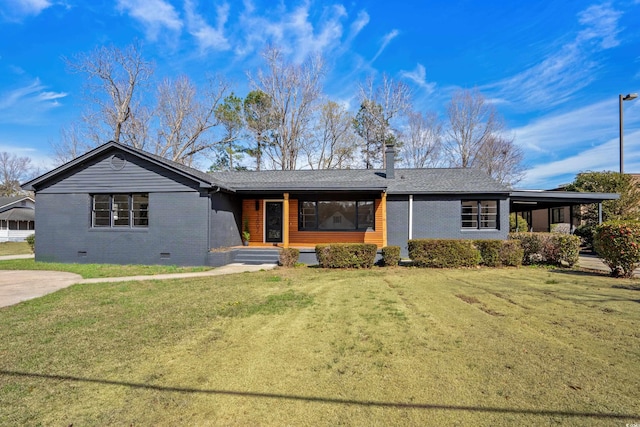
x,y
525,200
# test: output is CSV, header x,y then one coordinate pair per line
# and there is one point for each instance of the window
x,y
336,215
120,210
557,215
480,214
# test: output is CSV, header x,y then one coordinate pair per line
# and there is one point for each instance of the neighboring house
x,y
17,218
118,204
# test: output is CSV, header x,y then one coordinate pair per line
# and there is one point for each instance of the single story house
x,y
17,218
118,204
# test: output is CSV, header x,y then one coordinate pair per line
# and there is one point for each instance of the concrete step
x,y
257,256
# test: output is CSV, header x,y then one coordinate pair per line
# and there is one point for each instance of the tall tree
x,y
186,117
380,105
476,138
229,115
333,142
116,80
294,90
13,170
422,141
259,120
626,207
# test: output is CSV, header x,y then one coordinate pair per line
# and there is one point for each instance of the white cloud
x,y
154,15
385,42
208,37
419,76
293,31
22,104
573,67
16,10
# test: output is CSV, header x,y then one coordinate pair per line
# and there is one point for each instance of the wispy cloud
x,y
17,10
294,31
568,70
419,77
154,15
208,37
385,42
22,104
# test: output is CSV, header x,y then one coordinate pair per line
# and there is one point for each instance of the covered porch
x,y
16,224
305,219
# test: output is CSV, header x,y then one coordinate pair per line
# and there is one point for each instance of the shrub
x,y
618,244
346,255
585,233
31,240
522,223
443,253
289,257
548,248
489,252
511,253
391,256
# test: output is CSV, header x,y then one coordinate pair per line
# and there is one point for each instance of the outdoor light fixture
x,y
628,97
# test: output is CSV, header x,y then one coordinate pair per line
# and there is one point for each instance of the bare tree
x,y
380,106
117,78
186,118
14,170
333,142
422,141
260,122
293,90
476,138
471,122
501,159
72,143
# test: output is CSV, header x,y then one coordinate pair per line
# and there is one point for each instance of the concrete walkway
x,y
8,257
592,262
22,285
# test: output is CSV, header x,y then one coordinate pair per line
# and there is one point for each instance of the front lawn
x,y
90,271
313,347
14,248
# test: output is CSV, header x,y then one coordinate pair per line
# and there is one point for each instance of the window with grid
x,y
120,210
479,214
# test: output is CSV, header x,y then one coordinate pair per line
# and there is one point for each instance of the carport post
x,y
599,213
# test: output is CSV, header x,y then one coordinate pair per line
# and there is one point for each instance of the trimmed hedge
x,y
289,257
499,253
618,244
391,256
346,255
443,253
548,248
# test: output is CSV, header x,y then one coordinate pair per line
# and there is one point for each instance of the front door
x,y
273,220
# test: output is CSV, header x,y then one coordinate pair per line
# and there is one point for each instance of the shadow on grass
x,y
328,400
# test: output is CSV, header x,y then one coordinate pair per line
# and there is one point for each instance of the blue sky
x,y
553,69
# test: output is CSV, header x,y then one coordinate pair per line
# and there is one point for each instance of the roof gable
x,y
204,180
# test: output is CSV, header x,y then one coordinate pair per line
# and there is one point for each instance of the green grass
x,y
90,271
14,248
315,347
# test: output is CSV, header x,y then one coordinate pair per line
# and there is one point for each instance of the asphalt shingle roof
x,y
405,180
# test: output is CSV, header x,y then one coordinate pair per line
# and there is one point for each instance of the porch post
x,y
285,221
383,206
600,213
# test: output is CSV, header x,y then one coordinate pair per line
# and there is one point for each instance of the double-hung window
x,y
336,215
480,214
120,210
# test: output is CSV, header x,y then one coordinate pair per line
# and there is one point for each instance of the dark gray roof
x,y
5,201
18,214
406,181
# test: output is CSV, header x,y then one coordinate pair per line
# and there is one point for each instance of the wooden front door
x,y
273,221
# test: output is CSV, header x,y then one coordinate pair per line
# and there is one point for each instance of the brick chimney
x,y
389,159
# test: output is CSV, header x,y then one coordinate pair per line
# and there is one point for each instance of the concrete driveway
x,y
16,286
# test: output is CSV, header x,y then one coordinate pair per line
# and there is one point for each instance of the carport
x,y
529,200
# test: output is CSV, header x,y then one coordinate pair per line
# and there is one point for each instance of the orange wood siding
x,y
312,238
255,218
